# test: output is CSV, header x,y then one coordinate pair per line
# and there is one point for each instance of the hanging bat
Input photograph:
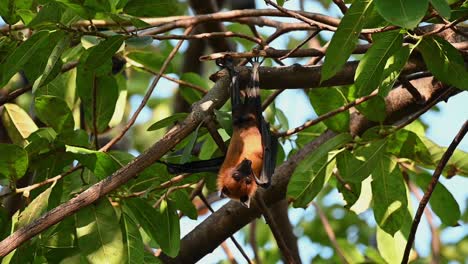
x,y
251,156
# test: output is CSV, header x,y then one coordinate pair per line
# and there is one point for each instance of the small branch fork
x,y
427,195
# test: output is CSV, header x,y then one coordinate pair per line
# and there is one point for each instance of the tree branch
x,y
427,195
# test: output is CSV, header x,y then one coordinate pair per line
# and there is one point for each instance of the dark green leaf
x,y
54,63
133,242
62,235
54,112
50,14
458,163
160,8
21,55
168,121
406,144
18,123
444,61
192,139
442,201
406,14
40,141
184,204
344,40
371,67
393,68
442,7
103,52
162,225
100,163
98,5
13,161
374,109
327,99
99,234
63,86
389,195
368,155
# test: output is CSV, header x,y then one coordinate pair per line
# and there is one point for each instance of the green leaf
x,y
442,7
328,99
54,112
374,256
160,8
374,109
370,70
391,247
150,60
54,63
100,101
162,225
98,5
345,38
100,163
389,195
41,141
50,14
310,174
305,186
444,61
120,105
99,234
63,86
103,52
407,144
192,139
139,42
395,64
403,13
457,164
61,235
18,123
184,204
21,55
366,158
442,201
168,121
13,161
133,242
35,209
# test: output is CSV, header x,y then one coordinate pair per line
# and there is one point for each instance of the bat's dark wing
x,y
269,142
211,165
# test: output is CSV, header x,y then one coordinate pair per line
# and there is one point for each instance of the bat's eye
x,y
248,180
236,175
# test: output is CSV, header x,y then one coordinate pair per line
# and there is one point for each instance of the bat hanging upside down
x,y
251,155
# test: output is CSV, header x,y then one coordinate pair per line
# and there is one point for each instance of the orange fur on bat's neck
x,y
246,143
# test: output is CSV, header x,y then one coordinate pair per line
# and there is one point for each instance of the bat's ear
x,y
245,201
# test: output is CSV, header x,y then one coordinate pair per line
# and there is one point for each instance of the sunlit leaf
x,y
54,112
99,235
18,123
403,13
328,99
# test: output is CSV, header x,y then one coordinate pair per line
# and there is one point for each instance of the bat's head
x,y
239,184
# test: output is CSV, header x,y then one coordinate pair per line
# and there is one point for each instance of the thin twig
x,y
326,116
271,98
228,252
31,187
169,191
147,95
435,238
330,233
167,77
274,229
446,26
315,33
227,34
427,195
238,246
163,185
